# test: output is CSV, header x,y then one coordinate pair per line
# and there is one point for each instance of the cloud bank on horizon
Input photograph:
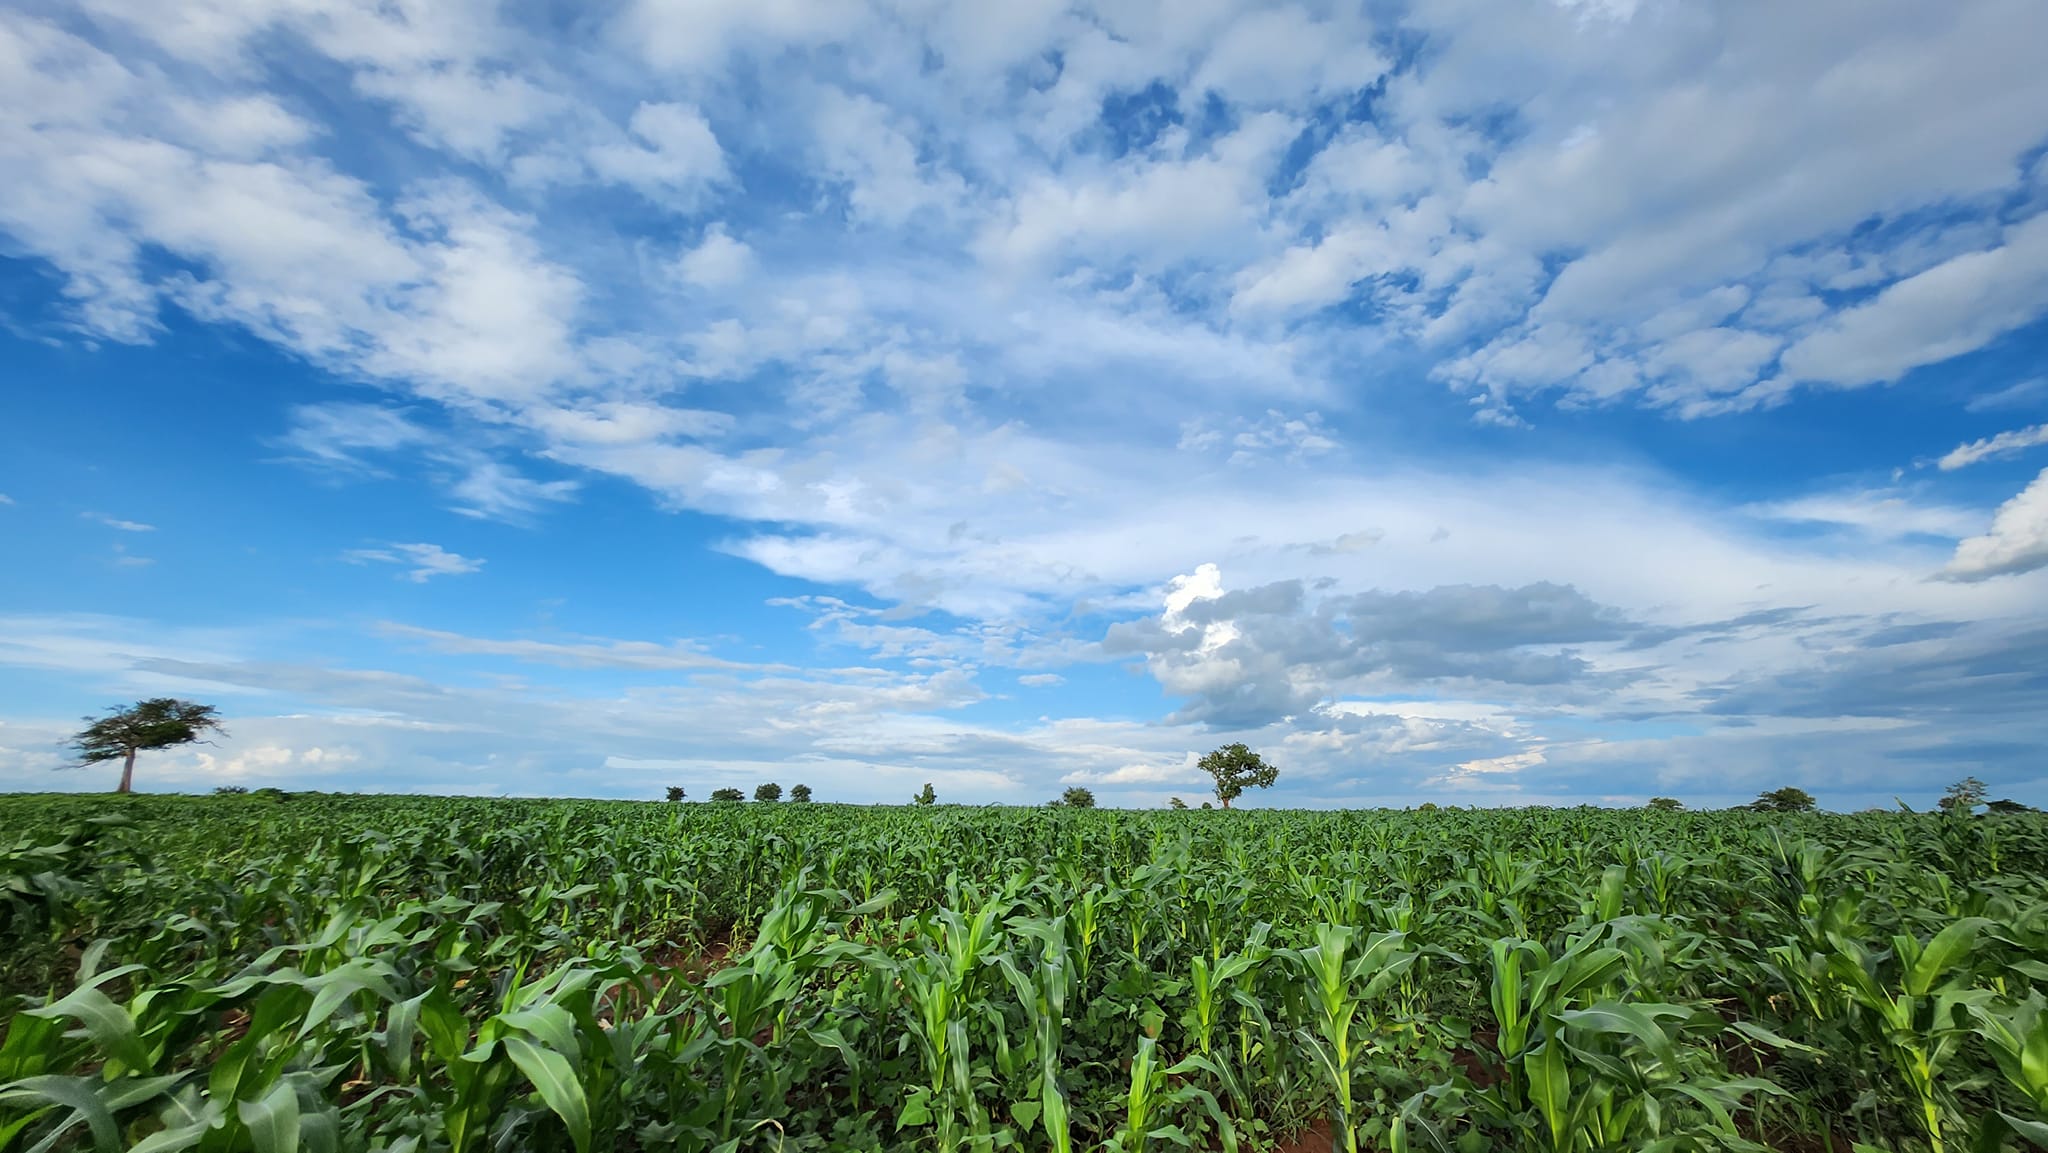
x,y
1572,401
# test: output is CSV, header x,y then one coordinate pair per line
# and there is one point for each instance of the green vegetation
x,y
247,972
1785,800
1076,797
157,723
800,794
768,793
1237,768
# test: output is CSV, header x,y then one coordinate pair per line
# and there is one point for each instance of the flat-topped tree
x,y
157,723
1237,768
1790,799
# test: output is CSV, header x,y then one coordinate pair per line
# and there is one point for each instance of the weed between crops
x,y
459,975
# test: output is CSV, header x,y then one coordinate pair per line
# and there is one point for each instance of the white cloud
x,y
1041,680
2016,543
718,261
1955,307
1992,447
335,435
490,490
860,144
2018,395
695,36
426,561
676,159
118,523
1880,514
996,264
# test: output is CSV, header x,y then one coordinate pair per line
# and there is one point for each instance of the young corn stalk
x,y
1344,981
1915,1014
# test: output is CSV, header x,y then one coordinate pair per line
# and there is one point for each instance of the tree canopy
x,y
800,794
768,793
157,723
1789,799
1964,796
1237,768
1077,797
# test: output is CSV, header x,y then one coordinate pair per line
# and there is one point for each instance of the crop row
x,y
360,973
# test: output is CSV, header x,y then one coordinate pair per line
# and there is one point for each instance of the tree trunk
x,y
127,773
1224,799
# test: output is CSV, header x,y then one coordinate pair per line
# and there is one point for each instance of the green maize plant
x,y
1344,980
277,971
2017,1039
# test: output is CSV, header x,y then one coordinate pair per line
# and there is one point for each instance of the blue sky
x,y
1547,403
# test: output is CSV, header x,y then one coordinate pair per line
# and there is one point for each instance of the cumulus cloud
x,y
1259,655
1007,346
673,156
2016,543
718,260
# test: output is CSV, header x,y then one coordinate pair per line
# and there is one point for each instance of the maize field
x,y
316,973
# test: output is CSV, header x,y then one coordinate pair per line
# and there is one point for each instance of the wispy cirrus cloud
x,y
422,562
2004,444
116,523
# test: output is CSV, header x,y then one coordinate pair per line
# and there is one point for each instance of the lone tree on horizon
x,y
769,793
1237,768
157,723
1790,799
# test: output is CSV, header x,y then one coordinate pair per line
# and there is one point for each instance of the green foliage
x,y
2005,806
675,793
469,975
1666,804
1785,800
800,794
1237,768
728,796
768,793
1963,797
156,723
1076,797
1176,803
928,796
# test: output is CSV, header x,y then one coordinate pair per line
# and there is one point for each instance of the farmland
x,y
329,972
